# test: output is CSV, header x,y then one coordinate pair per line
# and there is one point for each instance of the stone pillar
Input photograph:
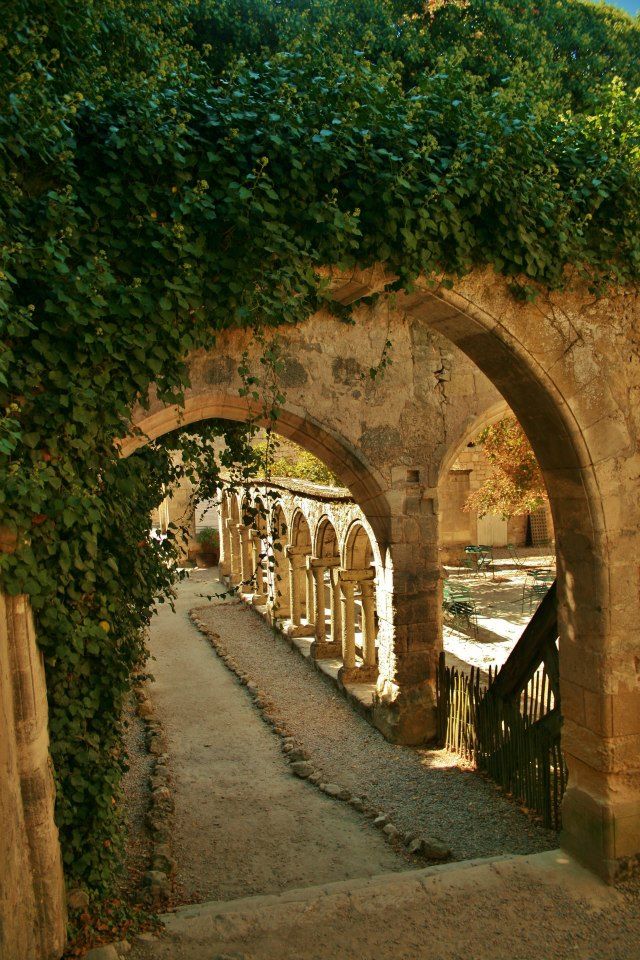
x,y
235,574
297,584
600,696
260,595
347,596
336,607
409,598
308,600
224,568
367,597
32,894
321,649
349,580
280,602
246,566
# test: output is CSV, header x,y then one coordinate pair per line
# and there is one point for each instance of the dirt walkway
x,y
243,824
423,791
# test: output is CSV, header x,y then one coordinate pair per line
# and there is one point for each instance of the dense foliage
x,y
170,168
291,461
516,484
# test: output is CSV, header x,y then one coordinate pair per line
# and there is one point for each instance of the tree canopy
x,y
516,484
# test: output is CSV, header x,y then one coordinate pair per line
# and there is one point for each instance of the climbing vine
x,y
170,169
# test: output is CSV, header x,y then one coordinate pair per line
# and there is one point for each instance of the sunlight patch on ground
x,y
503,606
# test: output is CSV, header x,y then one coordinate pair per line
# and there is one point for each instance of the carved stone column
x,y
367,597
246,566
260,595
223,564
321,648
349,673
280,603
336,607
308,600
297,584
347,596
234,558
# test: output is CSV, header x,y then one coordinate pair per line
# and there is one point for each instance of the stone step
x,y
259,916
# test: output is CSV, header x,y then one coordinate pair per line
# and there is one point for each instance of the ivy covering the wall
x,y
170,169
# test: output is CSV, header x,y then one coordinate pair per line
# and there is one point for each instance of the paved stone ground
x,y
425,791
501,613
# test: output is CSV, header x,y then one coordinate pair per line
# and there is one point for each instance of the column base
x,y
405,715
275,617
325,650
363,674
301,630
259,599
603,836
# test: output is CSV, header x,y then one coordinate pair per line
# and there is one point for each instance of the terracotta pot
x,y
207,558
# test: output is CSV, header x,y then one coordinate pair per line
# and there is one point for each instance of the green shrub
x,y
208,538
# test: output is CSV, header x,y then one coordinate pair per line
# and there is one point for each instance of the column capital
x,y
367,585
292,551
356,576
321,563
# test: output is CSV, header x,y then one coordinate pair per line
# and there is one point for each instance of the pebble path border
x,y
158,883
158,879
427,849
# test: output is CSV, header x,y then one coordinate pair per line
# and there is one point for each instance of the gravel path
x,y
422,790
242,824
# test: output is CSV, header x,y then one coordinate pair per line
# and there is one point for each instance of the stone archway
x,y
457,526
325,571
559,375
300,577
569,367
566,366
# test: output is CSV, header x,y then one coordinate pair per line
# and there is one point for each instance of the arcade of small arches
x,y
309,560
